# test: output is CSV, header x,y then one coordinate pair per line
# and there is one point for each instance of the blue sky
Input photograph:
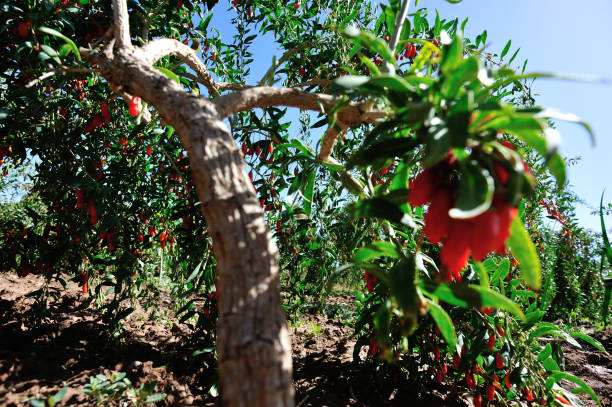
x,y
556,36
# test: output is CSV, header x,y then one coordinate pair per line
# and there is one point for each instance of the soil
x,y
70,347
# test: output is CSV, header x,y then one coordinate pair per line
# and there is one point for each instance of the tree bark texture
x,y
252,336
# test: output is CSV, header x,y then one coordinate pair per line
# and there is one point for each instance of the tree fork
x,y
253,345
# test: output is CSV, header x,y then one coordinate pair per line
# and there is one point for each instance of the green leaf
x,y
525,252
195,272
444,322
501,272
475,193
58,34
545,353
465,295
557,168
373,43
308,193
604,234
558,376
169,74
483,276
60,394
154,398
383,209
392,82
65,50
452,54
466,71
593,342
375,250
352,81
550,365
506,49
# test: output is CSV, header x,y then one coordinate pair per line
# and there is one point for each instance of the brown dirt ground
x,y
70,347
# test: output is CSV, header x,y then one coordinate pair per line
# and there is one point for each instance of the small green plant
x,y
51,400
106,391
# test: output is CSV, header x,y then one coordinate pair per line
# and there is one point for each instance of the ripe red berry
x,y
487,228
135,106
469,381
439,376
24,29
528,394
140,237
507,380
477,400
295,250
436,218
244,149
499,361
422,188
490,392
302,71
491,343
455,249
297,5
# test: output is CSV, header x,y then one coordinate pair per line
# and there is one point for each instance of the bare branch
x,y
329,139
56,72
282,60
157,49
399,22
321,82
264,96
122,23
232,86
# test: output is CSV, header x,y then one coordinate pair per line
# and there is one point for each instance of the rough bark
x,y
253,340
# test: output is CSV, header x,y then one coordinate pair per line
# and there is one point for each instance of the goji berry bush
x,y
444,210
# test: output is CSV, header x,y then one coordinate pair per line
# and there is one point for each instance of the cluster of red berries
x,y
377,179
479,235
98,120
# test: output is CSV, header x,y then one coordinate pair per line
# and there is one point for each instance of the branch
x,y
285,57
329,139
157,49
56,72
264,96
122,23
399,22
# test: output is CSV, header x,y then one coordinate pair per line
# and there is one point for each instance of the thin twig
x,y
282,60
57,72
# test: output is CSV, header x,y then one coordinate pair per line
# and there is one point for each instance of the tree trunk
x,y
252,337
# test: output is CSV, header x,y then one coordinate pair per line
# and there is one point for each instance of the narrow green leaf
x,y
525,252
558,376
501,272
556,166
444,322
169,74
593,342
375,250
58,34
545,353
506,49
465,295
308,193
483,276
